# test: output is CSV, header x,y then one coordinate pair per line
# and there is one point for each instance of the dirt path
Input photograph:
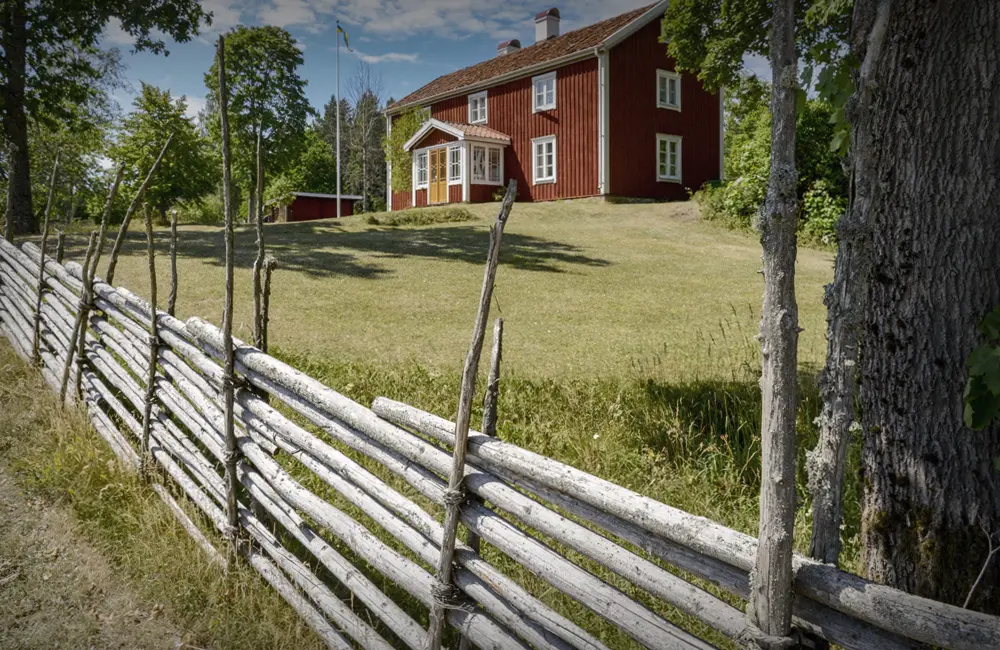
x,y
57,591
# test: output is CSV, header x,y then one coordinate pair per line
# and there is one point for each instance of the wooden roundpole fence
x,y
154,340
36,334
258,266
443,590
172,298
231,456
123,230
60,246
265,313
80,326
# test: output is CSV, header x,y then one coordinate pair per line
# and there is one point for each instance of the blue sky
x,y
410,42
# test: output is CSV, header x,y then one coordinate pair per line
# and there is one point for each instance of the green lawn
x,y
587,289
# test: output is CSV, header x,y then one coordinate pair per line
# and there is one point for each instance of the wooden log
x,y
154,342
172,298
60,246
642,624
116,249
455,493
227,309
265,316
41,273
822,583
192,529
79,330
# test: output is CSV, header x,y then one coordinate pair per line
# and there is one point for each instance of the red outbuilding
x,y
308,206
599,111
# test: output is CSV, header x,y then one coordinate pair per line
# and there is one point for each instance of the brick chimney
x,y
546,25
508,47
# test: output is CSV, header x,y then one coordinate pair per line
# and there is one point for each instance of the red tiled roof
x,y
478,131
539,53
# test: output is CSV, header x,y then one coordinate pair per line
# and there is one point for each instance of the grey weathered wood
x,y
172,298
154,341
435,628
60,246
265,314
79,328
258,264
227,310
771,583
41,270
109,275
105,222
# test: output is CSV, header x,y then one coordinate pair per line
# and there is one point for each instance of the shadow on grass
x,y
325,250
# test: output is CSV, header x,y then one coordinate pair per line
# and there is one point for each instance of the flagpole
x,y
338,119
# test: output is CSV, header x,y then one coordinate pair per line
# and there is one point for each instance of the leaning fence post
x,y
445,593
60,246
77,337
123,230
265,313
154,342
36,335
227,312
172,298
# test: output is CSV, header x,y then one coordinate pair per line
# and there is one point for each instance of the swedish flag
x,y
341,30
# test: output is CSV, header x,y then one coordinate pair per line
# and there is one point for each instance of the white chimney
x,y
508,47
546,25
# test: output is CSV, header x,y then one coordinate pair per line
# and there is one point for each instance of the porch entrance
x,y
438,178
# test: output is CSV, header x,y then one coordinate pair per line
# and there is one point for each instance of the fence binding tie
x,y
454,497
447,595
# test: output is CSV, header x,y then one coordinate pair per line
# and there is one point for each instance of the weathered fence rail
x,y
305,430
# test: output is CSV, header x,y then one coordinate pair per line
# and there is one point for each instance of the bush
x,y
420,217
821,210
207,210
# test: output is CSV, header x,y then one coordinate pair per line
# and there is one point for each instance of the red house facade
x,y
599,111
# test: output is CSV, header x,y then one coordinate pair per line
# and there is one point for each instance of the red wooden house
x,y
309,206
598,111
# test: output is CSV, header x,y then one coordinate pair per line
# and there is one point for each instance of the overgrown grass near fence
x,y
55,454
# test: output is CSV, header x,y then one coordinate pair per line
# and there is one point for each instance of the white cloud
x,y
115,35
194,106
388,57
226,14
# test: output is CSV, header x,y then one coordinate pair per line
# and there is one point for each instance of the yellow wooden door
x,y
438,181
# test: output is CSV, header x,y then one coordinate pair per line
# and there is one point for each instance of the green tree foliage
x,y
266,96
982,391
328,126
51,63
315,170
189,169
822,182
403,128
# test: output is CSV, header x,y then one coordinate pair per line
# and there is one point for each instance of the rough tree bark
x,y
14,41
771,593
932,147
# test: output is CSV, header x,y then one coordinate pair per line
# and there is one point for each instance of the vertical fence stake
x,y
265,313
154,342
123,230
227,312
60,246
36,354
489,428
172,298
445,593
89,269
258,269
78,336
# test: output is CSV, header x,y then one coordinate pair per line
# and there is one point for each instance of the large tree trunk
x,y
771,594
931,146
20,212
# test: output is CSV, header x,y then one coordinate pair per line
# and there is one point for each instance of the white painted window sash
x,y
543,92
668,90
543,160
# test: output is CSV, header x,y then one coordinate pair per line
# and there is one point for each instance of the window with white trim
x,y
668,158
477,108
544,157
422,169
454,164
494,165
668,90
478,163
544,92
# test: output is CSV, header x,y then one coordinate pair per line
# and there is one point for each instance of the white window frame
x,y
474,116
668,178
668,76
455,159
487,150
543,78
421,185
489,165
535,144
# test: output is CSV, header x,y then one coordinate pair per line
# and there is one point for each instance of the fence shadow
x,y
328,250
